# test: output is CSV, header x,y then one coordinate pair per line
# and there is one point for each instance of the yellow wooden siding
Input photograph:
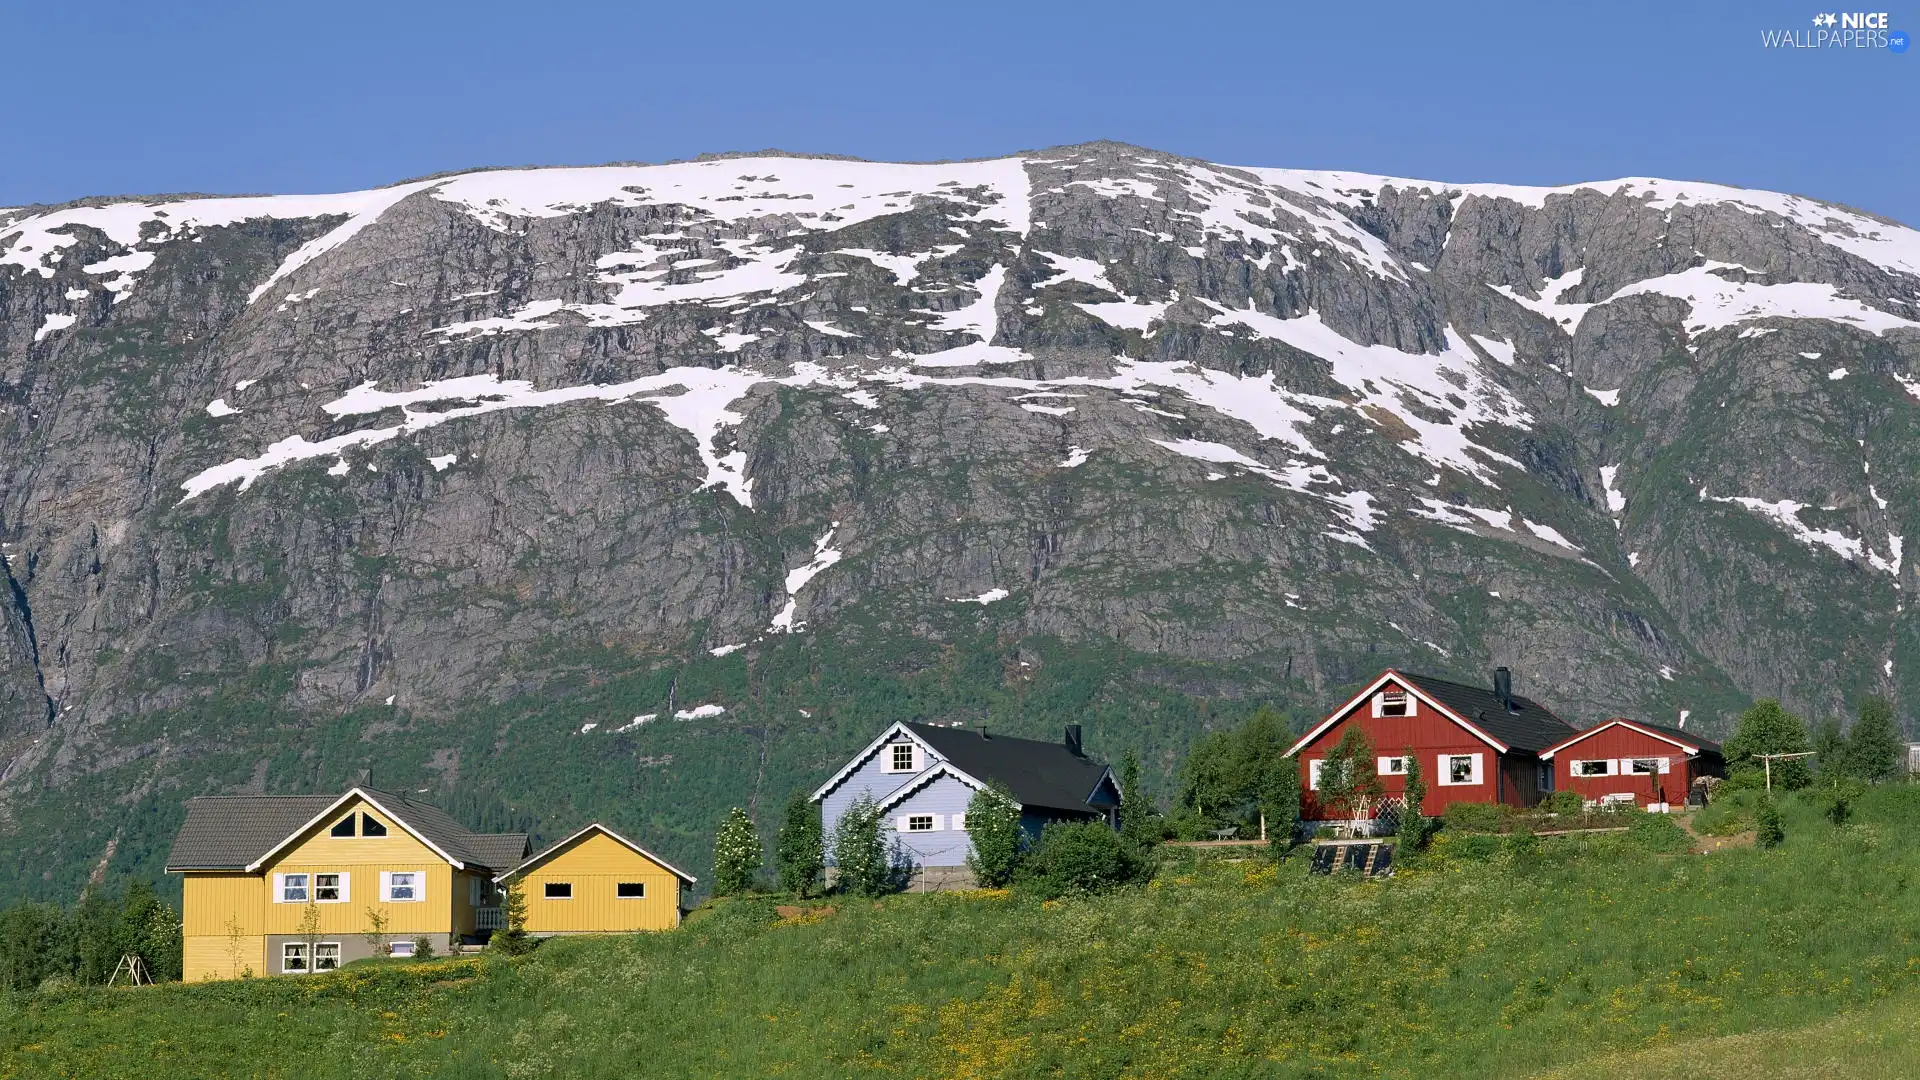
x,y
214,905
222,957
463,907
595,865
362,859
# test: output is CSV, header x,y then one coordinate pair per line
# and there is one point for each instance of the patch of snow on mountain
x,y
827,328
1836,374
1786,514
983,599
1075,268
1562,313
1609,398
443,462
1499,350
1616,502
643,718
218,407
1718,303
699,712
1119,186
823,557
1076,457
727,650
53,324
1550,534
1125,314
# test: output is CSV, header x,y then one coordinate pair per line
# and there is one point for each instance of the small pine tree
x,y
1136,813
1415,825
797,853
1280,803
1830,751
993,824
737,854
860,855
1875,747
513,940
1769,830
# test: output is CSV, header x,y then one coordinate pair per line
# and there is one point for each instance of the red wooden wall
x,y
1623,742
1430,735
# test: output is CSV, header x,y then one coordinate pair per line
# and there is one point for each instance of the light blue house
x,y
923,775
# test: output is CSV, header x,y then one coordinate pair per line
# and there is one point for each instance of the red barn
x,y
1474,743
1630,761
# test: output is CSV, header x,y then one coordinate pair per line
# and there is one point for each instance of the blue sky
x,y
249,97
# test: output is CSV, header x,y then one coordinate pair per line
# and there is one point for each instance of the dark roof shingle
x,y
1042,774
1528,726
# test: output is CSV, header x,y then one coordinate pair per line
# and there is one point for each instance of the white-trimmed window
x,y
326,956
1391,766
290,889
1593,767
332,888
400,948
1455,770
293,958
558,890
1643,766
901,757
918,822
343,827
371,826
630,890
403,886
1394,701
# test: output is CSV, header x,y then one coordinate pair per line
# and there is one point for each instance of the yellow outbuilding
x,y
598,882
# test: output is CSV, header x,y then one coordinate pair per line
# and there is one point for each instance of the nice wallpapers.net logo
x,y
1840,30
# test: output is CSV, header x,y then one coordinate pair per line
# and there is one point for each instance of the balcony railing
x,y
489,918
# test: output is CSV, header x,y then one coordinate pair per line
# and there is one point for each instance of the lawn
x,y
1600,955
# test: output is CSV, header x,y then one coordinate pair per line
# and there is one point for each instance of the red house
x,y
1631,761
1474,743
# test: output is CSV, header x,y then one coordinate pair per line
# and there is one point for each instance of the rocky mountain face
x,y
640,491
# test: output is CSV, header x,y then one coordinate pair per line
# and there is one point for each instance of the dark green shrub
x,y
993,826
1725,818
1836,798
1657,832
1565,803
1075,857
1521,848
1474,847
1476,817
1769,831
422,949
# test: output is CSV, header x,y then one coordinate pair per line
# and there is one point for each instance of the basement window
x,y
343,827
326,956
631,890
400,948
559,890
1603,767
293,958
370,827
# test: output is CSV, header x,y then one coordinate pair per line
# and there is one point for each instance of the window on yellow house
x,y
343,827
293,958
370,827
326,956
329,888
559,890
631,890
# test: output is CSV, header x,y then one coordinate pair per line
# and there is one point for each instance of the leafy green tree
x,y
151,930
1137,817
1766,728
737,854
34,943
1830,751
1349,777
1415,826
1876,751
1280,805
1229,770
798,854
859,853
993,825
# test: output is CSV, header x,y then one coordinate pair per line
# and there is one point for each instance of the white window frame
x,y
1380,701
888,763
1443,770
417,881
641,896
1611,766
1385,766
1314,765
1631,766
345,887
400,948
320,947
546,890
280,886
287,950
905,823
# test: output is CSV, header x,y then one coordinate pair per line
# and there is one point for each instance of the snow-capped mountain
x,y
421,472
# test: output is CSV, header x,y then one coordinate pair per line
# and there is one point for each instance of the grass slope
x,y
1597,955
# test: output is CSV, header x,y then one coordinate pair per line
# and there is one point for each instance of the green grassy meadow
x,y
1601,955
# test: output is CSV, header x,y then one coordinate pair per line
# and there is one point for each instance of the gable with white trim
x,y
1390,695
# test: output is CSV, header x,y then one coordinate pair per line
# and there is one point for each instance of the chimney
x,y
1503,687
1073,740
982,729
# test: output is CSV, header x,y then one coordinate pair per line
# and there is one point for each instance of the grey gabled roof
x,y
226,832
1039,774
231,832
1527,726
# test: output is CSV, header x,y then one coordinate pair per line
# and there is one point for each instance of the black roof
x,y
1528,726
228,832
1040,774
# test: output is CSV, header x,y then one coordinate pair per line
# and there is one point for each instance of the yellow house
x,y
288,884
598,882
